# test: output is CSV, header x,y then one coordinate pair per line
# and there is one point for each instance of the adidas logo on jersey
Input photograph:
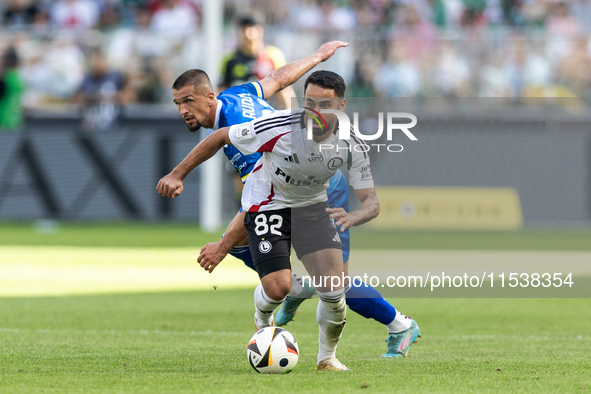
x,y
292,159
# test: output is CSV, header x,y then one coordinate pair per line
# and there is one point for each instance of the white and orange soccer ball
x,y
272,350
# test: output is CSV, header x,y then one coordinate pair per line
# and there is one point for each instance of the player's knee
x,y
277,291
277,284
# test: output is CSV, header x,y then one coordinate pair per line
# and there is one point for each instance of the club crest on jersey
x,y
243,133
335,163
265,246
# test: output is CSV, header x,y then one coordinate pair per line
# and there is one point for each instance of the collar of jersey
x,y
217,115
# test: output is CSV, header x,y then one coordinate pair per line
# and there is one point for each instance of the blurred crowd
x,y
129,51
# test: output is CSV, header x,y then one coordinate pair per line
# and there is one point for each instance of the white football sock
x,y
399,324
264,307
296,286
330,316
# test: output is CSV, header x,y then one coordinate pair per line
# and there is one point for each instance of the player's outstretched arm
x,y
213,253
291,72
369,209
172,184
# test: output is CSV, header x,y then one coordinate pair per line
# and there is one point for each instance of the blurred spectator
x,y
473,14
452,72
561,22
581,9
20,13
526,70
102,94
323,15
252,61
75,14
147,83
53,70
306,15
363,75
447,48
11,92
174,18
417,34
575,70
369,14
399,77
110,16
337,18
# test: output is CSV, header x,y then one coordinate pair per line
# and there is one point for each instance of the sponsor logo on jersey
x,y
311,181
265,246
235,157
314,158
366,172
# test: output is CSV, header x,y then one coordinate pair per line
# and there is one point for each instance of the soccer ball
x,y
272,350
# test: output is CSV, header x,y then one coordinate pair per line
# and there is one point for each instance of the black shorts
x,y
271,233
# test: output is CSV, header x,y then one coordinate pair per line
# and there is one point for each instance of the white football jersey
x,y
293,171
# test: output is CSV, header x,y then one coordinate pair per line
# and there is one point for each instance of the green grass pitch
x,y
195,341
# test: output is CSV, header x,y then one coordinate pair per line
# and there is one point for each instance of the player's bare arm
x,y
172,184
213,253
284,76
368,210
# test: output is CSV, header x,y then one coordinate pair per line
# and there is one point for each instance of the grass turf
x,y
195,342
125,234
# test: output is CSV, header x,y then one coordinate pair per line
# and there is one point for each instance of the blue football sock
x,y
369,303
243,253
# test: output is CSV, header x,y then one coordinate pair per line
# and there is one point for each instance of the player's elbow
x,y
279,79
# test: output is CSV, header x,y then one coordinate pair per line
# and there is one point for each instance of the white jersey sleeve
x,y
262,134
359,169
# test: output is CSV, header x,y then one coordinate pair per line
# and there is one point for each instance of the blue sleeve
x,y
254,88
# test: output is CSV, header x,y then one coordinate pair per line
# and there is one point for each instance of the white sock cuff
x,y
334,296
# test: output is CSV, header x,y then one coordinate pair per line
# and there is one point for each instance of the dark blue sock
x,y
369,303
243,253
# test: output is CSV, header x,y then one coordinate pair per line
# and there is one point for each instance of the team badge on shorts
x,y
265,246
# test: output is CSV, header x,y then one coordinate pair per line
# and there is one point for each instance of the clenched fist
x,y
170,186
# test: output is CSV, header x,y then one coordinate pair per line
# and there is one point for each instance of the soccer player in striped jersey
x,y
361,298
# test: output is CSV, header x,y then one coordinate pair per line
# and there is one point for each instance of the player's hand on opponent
x,y
210,256
170,186
342,218
328,49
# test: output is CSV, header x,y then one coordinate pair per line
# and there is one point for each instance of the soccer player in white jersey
x,y
286,202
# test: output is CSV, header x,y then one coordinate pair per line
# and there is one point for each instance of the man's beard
x,y
194,128
321,130
318,131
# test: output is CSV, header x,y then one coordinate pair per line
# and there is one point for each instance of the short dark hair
x,y
197,78
327,80
250,20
